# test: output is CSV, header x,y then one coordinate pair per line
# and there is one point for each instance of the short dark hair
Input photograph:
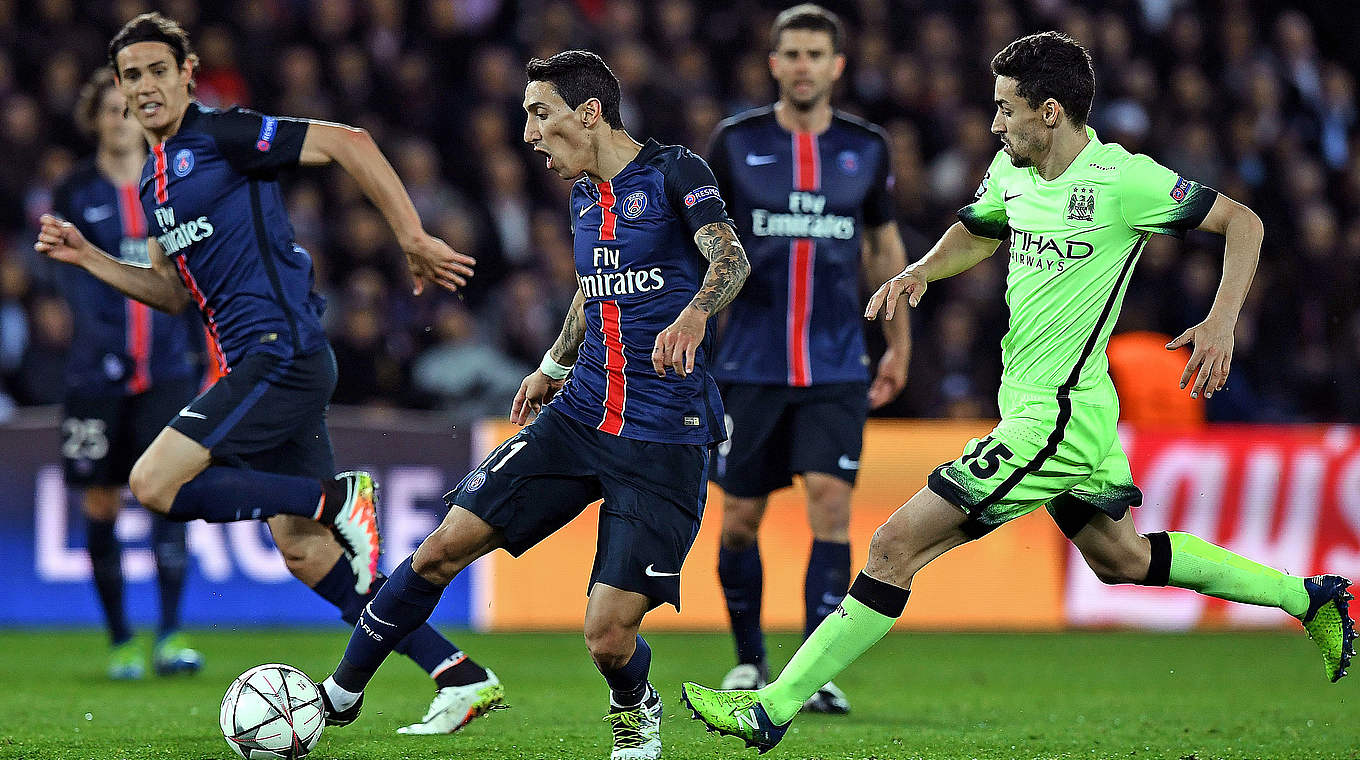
x,y
1050,65
92,99
153,27
811,17
578,76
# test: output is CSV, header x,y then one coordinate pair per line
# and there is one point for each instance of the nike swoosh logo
x,y
583,211
754,160
96,214
652,572
846,463
185,412
1010,197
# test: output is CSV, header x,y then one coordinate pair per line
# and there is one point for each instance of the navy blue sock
x,y
743,583
172,559
430,650
106,560
401,606
228,494
628,684
828,578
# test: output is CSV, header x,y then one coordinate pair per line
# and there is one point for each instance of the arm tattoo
x,y
568,343
727,267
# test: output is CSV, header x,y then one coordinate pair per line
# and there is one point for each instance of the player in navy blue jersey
x,y
255,444
129,370
633,410
810,189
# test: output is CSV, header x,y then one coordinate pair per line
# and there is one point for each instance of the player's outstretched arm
x,y
1212,339
158,286
884,255
542,383
677,345
958,250
430,259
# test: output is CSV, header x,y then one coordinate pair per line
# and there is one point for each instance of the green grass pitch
x,y
937,696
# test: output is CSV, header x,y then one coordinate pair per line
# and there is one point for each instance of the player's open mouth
x,y
149,109
549,161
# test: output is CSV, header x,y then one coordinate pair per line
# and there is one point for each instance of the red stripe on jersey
x,y
161,195
807,164
218,356
616,386
609,221
138,315
800,312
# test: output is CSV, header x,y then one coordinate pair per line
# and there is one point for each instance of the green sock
x,y
1200,566
837,642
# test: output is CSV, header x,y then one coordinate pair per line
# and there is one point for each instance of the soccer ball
x,y
272,712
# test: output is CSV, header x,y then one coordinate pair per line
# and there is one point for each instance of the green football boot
x,y
1328,622
174,656
126,662
734,713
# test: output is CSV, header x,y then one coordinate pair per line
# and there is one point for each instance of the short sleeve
x,y
1153,198
693,193
986,215
879,208
256,144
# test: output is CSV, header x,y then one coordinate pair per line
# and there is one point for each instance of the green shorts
x,y
1059,451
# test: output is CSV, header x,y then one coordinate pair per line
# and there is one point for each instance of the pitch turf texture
x,y
1086,695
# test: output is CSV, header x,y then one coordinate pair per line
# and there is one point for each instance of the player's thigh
x,y
1023,463
534,483
923,528
265,401
152,410
654,496
94,447
171,460
613,616
1110,491
827,430
754,460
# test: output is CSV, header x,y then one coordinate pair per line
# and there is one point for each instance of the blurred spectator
x,y
470,378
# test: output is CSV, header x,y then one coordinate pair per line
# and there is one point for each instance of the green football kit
x,y
1074,242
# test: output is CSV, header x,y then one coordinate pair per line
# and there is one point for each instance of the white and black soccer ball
x,y
272,712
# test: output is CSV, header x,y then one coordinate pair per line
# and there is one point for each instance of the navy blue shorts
x,y
775,432
268,414
547,474
101,436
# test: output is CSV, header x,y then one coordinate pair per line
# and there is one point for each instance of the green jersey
x,y
1074,242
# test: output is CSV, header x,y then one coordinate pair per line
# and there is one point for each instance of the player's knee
x,y
149,488
610,643
738,537
439,557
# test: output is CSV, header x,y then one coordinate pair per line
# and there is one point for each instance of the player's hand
x,y
432,261
891,378
536,390
1211,357
677,345
910,283
60,240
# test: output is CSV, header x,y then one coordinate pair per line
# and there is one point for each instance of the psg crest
x,y
634,204
1081,204
184,162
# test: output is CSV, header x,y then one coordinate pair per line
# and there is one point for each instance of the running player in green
x,y
1078,213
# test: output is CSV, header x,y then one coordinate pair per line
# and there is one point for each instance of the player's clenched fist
x,y
910,283
677,345
60,240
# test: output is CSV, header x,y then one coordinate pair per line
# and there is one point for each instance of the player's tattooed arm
x,y
568,343
727,267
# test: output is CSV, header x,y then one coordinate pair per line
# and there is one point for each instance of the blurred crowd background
x,y
1256,99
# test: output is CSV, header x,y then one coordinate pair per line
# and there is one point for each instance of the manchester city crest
x,y
1081,204
634,204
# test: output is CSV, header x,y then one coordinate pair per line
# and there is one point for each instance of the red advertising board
x,y
1286,496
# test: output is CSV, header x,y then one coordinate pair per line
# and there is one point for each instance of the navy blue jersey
x,y
638,268
119,346
801,202
213,197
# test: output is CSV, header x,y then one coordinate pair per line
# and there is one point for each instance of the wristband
x,y
551,368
